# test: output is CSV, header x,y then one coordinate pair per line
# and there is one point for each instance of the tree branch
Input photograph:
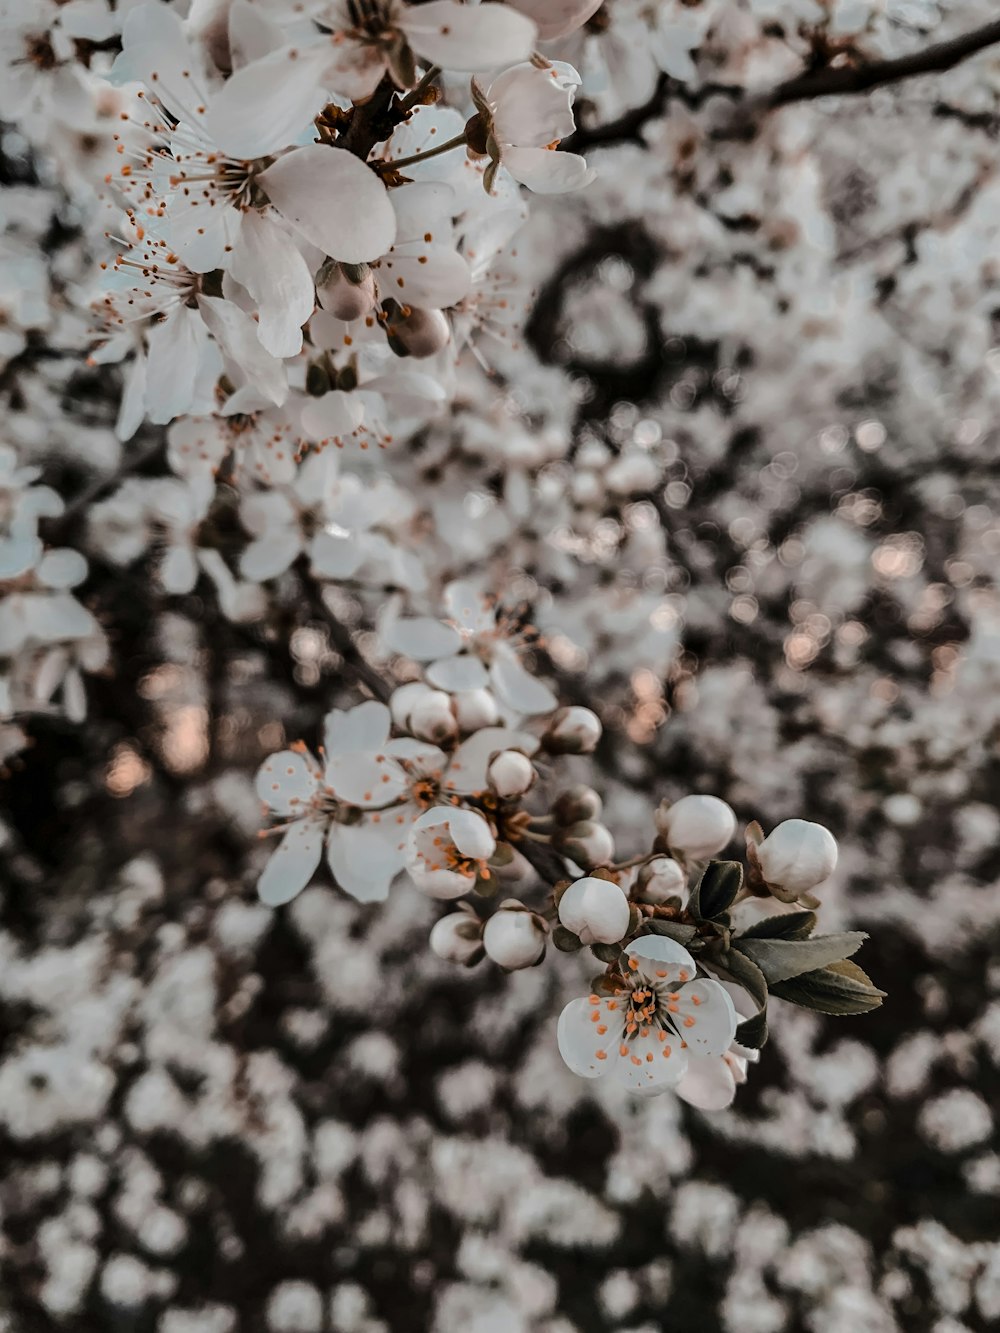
x,y
342,639
847,79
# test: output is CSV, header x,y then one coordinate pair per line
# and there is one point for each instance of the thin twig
x,y
342,639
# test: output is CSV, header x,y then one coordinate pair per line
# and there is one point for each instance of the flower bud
x,y
510,774
475,709
595,910
412,331
795,857
457,938
573,730
660,879
431,718
514,938
698,826
576,803
346,291
589,844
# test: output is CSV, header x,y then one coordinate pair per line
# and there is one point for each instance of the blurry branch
x,y
342,639
828,81
846,79
544,860
59,529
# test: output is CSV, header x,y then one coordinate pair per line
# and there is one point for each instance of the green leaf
x,y
783,926
606,953
716,890
565,940
746,972
752,1032
673,930
839,988
781,959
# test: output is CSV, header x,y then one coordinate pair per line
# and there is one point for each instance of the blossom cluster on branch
x,y
309,218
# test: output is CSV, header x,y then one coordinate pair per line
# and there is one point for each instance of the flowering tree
x,y
355,389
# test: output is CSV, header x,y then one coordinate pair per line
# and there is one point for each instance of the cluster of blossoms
x,y
46,635
453,781
311,216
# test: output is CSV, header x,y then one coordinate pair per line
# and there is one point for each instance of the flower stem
x,y
412,98
457,142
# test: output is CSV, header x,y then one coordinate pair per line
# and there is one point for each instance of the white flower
x,y
797,856
349,804
595,910
698,826
382,35
588,843
510,774
457,938
447,851
514,938
525,111
478,648
661,1019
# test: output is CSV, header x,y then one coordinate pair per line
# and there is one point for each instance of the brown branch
x,y
548,865
341,638
847,79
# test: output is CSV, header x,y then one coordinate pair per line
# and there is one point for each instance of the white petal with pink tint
x,y
334,201
468,37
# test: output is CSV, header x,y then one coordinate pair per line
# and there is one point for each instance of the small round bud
x,y
573,730
475,709
514,939
660,879
412,331
346,291
595,910
457,938
795,857
698,826
576,803
431,718
589,844
510,774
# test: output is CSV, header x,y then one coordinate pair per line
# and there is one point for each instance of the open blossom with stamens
x,y
447,851
523,115
662,1020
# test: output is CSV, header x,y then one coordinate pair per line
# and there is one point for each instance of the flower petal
x,y
334,200
293,863
268,264
654,1063
363,860
467,771
352,730
706,1017
517,687
366,780
463,672
268,103
468,37
709,1083
546,171
587,1052
286,782
421,638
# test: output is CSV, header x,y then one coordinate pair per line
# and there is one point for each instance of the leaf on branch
x,y
783,926
674,930
716,890
780,959
745,972
606,953
565,940
752,1032
839,988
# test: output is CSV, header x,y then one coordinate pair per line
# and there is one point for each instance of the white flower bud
x,y
660,879
698,826
589,844
576,804
514,939
346,291
475,709
797,856
595,910
415,332
573,730
431,718
510,774
457,938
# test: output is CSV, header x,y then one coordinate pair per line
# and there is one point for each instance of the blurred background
x,y
770,561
